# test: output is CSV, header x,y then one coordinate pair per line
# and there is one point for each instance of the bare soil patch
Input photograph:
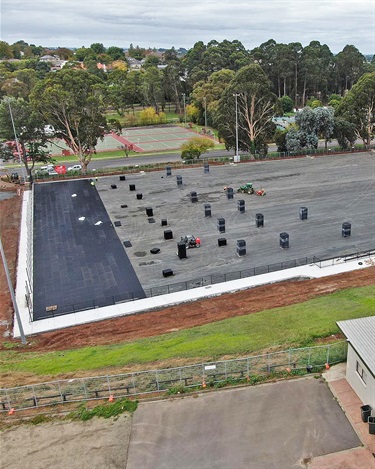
x,y
10,217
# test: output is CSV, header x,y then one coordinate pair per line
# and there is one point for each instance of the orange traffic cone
x,y
327,366
12,411
111,398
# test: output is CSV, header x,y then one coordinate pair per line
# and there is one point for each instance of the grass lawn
x,y
293,326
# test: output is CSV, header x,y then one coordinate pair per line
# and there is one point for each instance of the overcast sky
x,y
181,23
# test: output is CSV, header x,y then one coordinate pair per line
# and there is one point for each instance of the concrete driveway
x,y
273,426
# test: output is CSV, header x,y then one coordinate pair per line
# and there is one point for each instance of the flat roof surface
x,y
361,335
335,189
77,262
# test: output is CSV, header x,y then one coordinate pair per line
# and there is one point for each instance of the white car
x,y
76,167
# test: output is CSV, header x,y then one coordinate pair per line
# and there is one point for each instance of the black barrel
x,y
207,210
179,180
284,240
221,225
241,206
181,250
168,170
346,230
241,247
303,213
259,220
229,193
193,196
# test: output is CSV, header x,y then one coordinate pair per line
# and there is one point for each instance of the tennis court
x,y
142,139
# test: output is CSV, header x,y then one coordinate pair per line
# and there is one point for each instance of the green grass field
x,y
281,328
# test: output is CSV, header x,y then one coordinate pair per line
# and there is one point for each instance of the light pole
x,y
17,144
205,113
236,158
183,95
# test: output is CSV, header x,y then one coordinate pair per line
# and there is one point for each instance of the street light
x,y
236,158
183,95
17,144
205,113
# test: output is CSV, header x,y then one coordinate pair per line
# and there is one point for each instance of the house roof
x,y
360,333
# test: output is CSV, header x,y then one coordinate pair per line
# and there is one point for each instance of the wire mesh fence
x,y
327,261
193,376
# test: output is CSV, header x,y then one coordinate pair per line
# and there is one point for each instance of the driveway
x,y
273,426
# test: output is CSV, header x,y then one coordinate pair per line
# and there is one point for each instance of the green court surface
x,y
158,138
141,139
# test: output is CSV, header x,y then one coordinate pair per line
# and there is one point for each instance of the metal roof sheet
x,y
361,335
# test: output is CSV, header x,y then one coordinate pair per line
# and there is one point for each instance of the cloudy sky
x,y
181,23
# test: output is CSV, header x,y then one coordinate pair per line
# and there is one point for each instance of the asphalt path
x,y
274,426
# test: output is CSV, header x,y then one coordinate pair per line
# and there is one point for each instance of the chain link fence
x,y
195,376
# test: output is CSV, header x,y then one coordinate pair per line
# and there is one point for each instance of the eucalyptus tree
x,y
358,107
310,125
174,84
350,64
206,94
251,89
344,133
22,134
317,70
72,101
153,89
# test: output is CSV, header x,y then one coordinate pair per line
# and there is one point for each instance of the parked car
x,y
76,167
44,170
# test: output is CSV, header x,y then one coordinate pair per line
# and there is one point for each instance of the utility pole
x,y
183,95
205,113
11,289
237,158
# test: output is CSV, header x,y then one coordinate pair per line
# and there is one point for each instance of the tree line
x,y
219,84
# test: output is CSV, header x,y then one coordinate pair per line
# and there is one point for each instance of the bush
x,y
110,409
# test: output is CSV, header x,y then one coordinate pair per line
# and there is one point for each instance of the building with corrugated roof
x,y
360,369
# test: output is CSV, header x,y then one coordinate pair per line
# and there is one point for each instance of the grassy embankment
x,y
280,328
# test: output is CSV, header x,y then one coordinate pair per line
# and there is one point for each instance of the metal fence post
x,y
328,350
157,380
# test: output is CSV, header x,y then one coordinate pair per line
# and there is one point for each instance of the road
x,y
156,158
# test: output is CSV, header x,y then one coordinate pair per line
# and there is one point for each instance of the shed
x,y
360,369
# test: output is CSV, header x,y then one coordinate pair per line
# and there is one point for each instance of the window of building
x,y
361,372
